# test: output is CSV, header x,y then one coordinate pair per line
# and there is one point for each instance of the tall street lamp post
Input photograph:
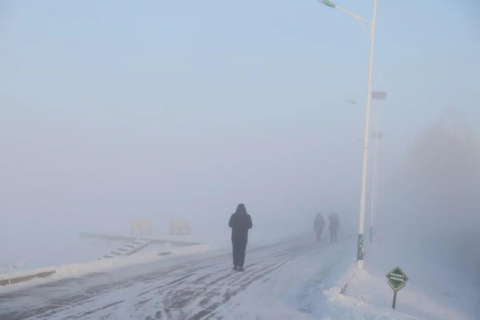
x,y
371,35
376,95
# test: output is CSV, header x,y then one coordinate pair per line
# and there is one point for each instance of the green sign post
x,y
397,280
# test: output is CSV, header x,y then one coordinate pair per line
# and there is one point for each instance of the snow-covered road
x,y
277,283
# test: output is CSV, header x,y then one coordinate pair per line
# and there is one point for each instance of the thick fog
x,y
432,205
116,111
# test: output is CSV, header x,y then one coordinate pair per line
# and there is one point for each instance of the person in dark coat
x,y
334,227
240,222
318,225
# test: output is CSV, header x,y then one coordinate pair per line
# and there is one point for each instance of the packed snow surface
x,y
291,279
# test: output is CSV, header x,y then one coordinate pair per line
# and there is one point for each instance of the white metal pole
x,y
361,227
374,179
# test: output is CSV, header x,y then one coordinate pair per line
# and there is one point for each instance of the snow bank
x,y
431,292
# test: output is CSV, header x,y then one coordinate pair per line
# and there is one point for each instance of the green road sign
x,y
397,279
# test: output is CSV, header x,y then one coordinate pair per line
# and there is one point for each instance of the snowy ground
x,y
47,251
149,254
435,290
199,287
291,279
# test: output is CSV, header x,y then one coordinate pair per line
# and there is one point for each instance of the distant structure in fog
x,y
141,226
180,226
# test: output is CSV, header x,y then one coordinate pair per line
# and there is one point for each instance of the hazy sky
x,y
112,110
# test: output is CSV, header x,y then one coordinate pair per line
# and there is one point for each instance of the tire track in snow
x,y
190,290
230,285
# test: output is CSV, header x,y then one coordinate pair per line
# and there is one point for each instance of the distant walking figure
x,y
240,222
318,225
334,227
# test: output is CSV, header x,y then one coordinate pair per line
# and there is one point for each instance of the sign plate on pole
x,y
379,95
397,280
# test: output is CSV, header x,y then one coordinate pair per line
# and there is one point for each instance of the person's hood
x,y
241,209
